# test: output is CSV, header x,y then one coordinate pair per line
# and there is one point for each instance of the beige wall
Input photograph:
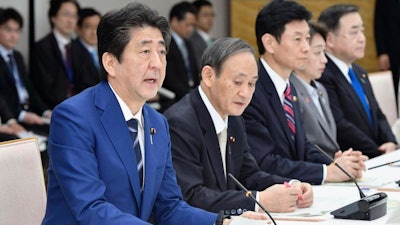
x,y
244,13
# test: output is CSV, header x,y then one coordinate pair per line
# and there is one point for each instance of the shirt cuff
x,y
325,172
256,207
21,116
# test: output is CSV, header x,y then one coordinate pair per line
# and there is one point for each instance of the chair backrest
x,y
22,187
382,85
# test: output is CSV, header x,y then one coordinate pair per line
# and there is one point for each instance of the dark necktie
x,y
288,108
68,64
19,84
360,92
186,60
133,129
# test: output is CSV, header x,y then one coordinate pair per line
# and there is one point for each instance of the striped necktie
x,y
133,129
288,108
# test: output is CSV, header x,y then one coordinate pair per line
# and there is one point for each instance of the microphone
x,y
367,208
362,195
250,195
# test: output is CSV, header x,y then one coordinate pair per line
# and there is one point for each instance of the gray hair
x,y
221,50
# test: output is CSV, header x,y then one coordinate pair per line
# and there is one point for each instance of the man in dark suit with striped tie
x,y
16,88
360,122
273,120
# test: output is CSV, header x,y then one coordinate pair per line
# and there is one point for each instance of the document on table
x,y
383,159
238,220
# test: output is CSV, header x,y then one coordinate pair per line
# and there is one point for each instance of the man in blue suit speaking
x,y
110,158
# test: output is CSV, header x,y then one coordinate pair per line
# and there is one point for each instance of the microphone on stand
x,y
367,208
250,195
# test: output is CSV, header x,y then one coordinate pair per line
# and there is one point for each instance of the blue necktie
x,y
360,92
95,59
133,129
289,113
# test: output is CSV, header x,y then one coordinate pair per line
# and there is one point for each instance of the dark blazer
x,y
353,127
5,115
176,79
269,136
92,177
86,74
10,93
319,130
197,159
199,46
387,32
48,71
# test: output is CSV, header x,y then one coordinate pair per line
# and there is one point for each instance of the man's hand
x,y
384,61
32,118
353,162
307,196
387,147
279,198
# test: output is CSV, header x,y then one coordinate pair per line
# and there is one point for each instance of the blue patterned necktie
x,y
133,129
360,92
289,113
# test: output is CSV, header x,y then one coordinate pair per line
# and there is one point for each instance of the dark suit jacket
x,y
176,79
387,33
5,115
199,46
92,177
48,71
269,136
10,93
353,127
86,74
319,130
197,159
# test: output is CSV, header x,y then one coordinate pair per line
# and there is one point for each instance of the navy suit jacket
x,y
197,159
176,79
48,71
353,127
269,136
10,92
92,177
86,74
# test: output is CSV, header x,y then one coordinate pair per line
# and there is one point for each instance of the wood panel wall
x,y
243,14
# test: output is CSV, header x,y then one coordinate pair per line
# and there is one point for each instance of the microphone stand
x,y
251,196
367,208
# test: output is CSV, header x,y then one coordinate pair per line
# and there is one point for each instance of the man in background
x,y
22,100
52,68
359,120
84,50
182,73
209,140
201,38
273,120
387,32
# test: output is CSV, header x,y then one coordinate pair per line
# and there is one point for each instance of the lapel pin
x,y
152,131
294,98
232,139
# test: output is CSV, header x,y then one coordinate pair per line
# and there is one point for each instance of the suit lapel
x,y
276,104
343,82
308,102
212,144
117,131
150,165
